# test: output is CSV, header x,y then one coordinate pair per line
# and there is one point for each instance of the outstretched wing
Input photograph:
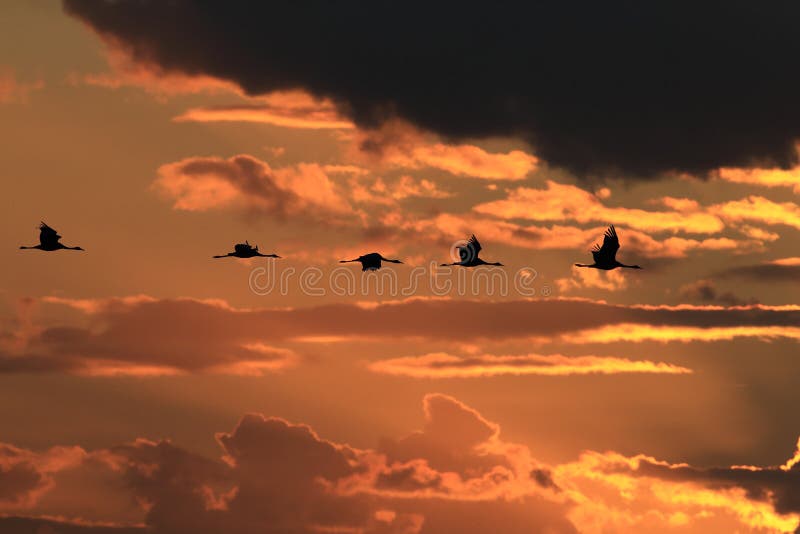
x,y
47,235
608,252
469,250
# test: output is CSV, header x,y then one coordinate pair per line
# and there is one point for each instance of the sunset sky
x,y
146,387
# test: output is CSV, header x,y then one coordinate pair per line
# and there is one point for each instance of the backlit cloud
x,y
637,333
146,336
561,202
287,109
455,474
398,144
774,177
442,365
200,184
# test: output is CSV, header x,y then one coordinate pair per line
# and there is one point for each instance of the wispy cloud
x,y
287,109
443,365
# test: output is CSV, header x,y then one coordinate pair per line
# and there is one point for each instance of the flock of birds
x,y
605,256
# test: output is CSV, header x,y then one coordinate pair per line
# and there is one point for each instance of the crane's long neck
x,y
628,266
23,247
586,265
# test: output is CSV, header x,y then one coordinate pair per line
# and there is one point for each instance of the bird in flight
x,y
371,261
605,257
246,250
49,240
468,254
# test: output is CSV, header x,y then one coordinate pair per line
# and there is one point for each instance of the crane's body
x,y
246,250
371,261
49,240
605,257
468,255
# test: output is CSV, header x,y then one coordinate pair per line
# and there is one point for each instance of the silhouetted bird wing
x,y
608,252
469,251
474,244
48,235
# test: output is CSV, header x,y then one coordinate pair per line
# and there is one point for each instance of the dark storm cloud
x,y
641,87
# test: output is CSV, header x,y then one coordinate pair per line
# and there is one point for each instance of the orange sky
x,y
143,384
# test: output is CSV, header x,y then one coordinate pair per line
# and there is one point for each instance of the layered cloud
x,y
760,210
104,344
456,474
565,237
442,365
561,202
774,177
636,333
293,109
780,269
144,336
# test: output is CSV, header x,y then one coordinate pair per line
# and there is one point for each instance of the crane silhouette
x,y
371,261
468,253
49,240
246,250
605,257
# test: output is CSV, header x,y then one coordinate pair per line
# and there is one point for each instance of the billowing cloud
x,y
25,476
276,476
456,474
199,184
593,103
341,195
442,365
